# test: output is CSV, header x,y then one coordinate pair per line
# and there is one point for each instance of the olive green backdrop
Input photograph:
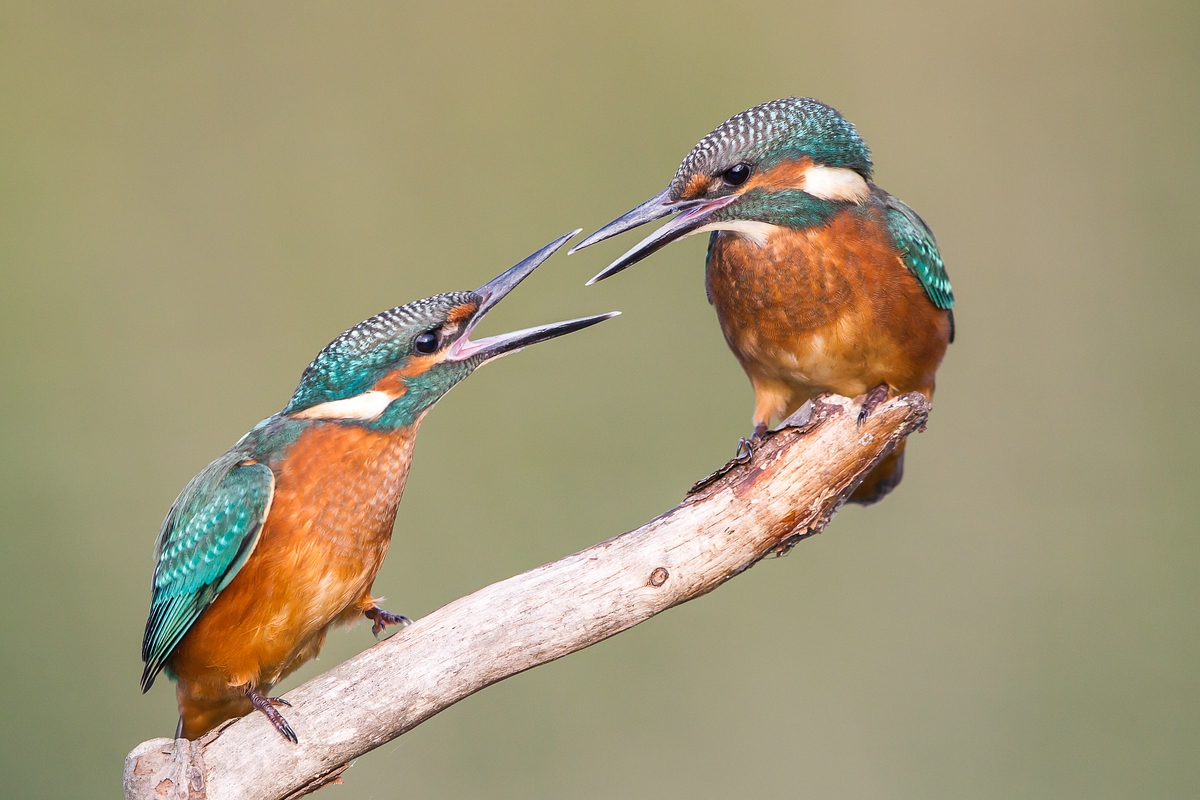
x,y
195,198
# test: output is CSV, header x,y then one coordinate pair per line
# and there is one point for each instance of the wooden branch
x,y
798,477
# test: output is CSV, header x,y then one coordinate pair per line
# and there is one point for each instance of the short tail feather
x,y
881,480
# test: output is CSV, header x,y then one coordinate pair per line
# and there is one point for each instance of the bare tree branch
x,y
796,480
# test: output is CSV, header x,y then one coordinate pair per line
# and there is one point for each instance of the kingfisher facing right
x,y
822,281
280,538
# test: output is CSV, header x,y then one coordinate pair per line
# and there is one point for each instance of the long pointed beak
x,y
656,207
496,346
693,215
494,291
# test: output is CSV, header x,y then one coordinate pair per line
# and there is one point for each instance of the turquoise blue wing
x,y
919,251
206,538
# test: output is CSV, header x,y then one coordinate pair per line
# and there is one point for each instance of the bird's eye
x,y
736,175
426,343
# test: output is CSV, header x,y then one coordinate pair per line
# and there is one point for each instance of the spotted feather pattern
x,y
791,128
205,539
919,251
352,362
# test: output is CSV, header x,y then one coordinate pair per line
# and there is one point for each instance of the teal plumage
x,y
822,281
356,359
780,130
207,536
213,525
788,208
919,251
281,537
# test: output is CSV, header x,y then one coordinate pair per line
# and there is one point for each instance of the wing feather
x,y
206,538
919,251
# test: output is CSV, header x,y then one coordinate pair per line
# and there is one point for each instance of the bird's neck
x,y
795,194
785,208
343,451
282,438
397,399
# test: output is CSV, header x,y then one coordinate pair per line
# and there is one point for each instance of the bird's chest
x,y
336,494
804,302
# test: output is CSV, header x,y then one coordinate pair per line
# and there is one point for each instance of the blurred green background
x,y
195,198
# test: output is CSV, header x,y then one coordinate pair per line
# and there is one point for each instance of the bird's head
x,y
388,370
783,163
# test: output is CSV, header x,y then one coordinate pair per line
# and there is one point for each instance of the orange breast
x,y
832,309
325,538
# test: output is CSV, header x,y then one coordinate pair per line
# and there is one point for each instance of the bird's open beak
x,y
493,292
693,215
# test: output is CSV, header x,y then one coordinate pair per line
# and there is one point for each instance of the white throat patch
x,y
757,232
363,407
835,183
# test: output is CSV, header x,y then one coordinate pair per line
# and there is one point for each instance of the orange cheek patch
x,y
392,383
784,175
419,365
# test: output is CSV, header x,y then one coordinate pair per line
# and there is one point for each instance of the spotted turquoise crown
x,y
781,130
353,362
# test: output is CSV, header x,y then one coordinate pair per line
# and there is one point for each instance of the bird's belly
x,y
810,362
274,614
324,541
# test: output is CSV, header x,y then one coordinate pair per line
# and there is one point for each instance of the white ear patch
x,y
835,183
364,407
755,231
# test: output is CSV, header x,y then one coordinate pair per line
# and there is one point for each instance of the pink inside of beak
x,y
707,208
464,348
685,219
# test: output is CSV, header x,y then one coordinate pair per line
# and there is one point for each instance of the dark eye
x,y
426,343
736,175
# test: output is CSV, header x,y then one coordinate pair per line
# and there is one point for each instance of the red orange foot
x,y
872,401
380,619
267,706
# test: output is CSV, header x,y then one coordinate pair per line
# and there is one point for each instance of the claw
x,y
267,706
380,619
745,449
872,401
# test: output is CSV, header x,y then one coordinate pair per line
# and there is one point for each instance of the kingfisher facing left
x,y
281,537
822,281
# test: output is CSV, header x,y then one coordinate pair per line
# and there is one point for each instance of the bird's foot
x,y
380,619
872,401
745,449
743,456
268,705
